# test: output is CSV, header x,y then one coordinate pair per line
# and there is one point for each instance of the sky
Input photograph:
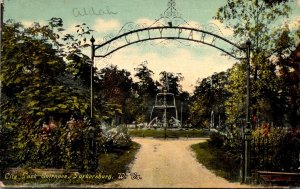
x,y
193,61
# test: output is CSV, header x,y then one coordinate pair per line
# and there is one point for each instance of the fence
x,y
262,150
274,154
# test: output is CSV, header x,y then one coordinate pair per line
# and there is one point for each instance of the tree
x,y
288,63
235,104
146,89
116,87
209,95
32,74
171,81
254,20
146,85
37,90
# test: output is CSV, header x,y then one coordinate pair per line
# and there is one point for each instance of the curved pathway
x,y
170,163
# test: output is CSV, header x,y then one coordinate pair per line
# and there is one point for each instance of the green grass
x,y
118,161
159,133
218,161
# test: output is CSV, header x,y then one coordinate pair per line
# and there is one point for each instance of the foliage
x,y
289,77
116,88
286,156
254,20
171,81
6,136
116,138
276,149
44,87
31,74
235,104
111,163
209,95
146,89
146,85
216,139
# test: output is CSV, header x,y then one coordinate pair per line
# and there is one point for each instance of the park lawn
x,y
118,161
218,161
159,133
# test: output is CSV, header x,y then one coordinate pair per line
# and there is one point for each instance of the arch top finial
x,y
171,11
92,39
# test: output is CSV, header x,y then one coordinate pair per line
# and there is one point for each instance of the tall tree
x,y
209,96
116,87
36,88
33,75
146,89
254,20
171,81
146,84
288,63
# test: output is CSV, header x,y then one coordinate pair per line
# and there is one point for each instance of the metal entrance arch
x,y
173,29
172,33
163,32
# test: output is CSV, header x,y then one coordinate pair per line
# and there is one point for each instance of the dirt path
x,y
170,163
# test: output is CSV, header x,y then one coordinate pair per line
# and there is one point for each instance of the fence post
x,y
246,156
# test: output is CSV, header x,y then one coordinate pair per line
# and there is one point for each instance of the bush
x,y
52,145
115,138
286,152
217,139
276,149
7,153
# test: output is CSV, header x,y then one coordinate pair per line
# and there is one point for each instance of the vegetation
x,y
117,161
275,149
112,163
274,110
45,102
217,160
271,149
274,71
209,96
159,133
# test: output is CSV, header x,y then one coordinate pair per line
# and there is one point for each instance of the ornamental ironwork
x,y
169,27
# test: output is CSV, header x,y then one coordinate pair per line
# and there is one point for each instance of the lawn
x,y
159,133
218,161
118,161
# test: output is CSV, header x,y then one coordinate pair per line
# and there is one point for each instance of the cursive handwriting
x,y
92,12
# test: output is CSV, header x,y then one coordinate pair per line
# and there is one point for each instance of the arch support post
x,y
93,159
92,74
247,127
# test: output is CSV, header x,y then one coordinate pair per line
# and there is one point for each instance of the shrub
x,y
276,149
52,145
115,138
286,152
217,139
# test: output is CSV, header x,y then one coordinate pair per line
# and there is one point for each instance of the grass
x,y
111,164
218,161
159,133
118,161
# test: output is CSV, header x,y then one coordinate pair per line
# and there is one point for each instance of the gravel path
x,y
170,163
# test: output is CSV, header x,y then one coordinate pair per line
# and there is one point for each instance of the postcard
x,y
149,94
